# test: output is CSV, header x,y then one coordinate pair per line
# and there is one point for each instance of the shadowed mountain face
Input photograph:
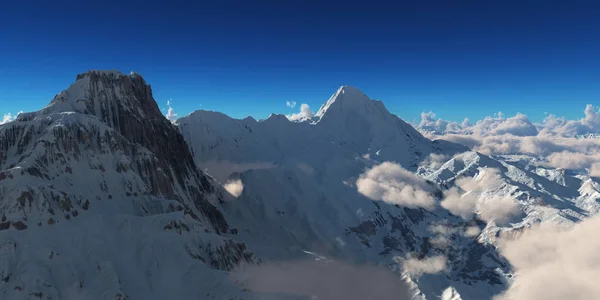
x,y
99,195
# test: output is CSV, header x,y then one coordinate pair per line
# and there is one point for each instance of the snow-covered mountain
x,y
102,197
299,192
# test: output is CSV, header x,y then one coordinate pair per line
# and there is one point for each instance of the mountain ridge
x,y
102,195
101,159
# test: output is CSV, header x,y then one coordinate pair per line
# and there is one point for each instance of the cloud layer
x,y
557,142
324,279
554,263
393,184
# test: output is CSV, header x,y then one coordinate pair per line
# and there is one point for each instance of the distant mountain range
x,y
102,197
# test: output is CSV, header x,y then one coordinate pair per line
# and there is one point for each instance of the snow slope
x,y
100,199
299,192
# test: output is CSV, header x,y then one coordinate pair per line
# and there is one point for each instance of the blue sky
x,y
456,58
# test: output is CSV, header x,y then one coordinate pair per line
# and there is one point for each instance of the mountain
x,y
349,123
101,199
300,193
299,190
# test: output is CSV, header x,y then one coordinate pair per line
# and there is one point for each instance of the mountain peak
x,y
347,89
346,96
98,73
106,94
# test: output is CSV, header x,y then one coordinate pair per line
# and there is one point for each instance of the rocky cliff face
x,y
97,174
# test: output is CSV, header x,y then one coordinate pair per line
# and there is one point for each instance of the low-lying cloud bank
x,y
554,263
391,183
560,143
324,279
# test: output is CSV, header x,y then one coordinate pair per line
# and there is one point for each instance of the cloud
x,y
554,263
557,142
434,160
498,209
595,170
474,198
418,267
589,124
391,183
429,123
290,104
518,125
234,187
9,118
305,113
171,115
459,205
472,231
572,160
324,279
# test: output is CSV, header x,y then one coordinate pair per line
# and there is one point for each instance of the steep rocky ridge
x,y
100,195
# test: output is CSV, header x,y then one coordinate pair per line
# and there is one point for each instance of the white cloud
x,y
595,169
435,160
429,123
459,205
305,113
9,118
518,125
554,263
391,183
498,209
324,279
474,198
290,104
472,231
417,267
573,160
171,115
234,187
567,144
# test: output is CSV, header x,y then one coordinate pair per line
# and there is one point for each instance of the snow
x,y
296,198
286,211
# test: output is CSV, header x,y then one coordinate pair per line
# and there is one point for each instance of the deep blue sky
x,y
457,58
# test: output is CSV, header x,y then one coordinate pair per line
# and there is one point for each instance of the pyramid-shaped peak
x,y
348,89
346,96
